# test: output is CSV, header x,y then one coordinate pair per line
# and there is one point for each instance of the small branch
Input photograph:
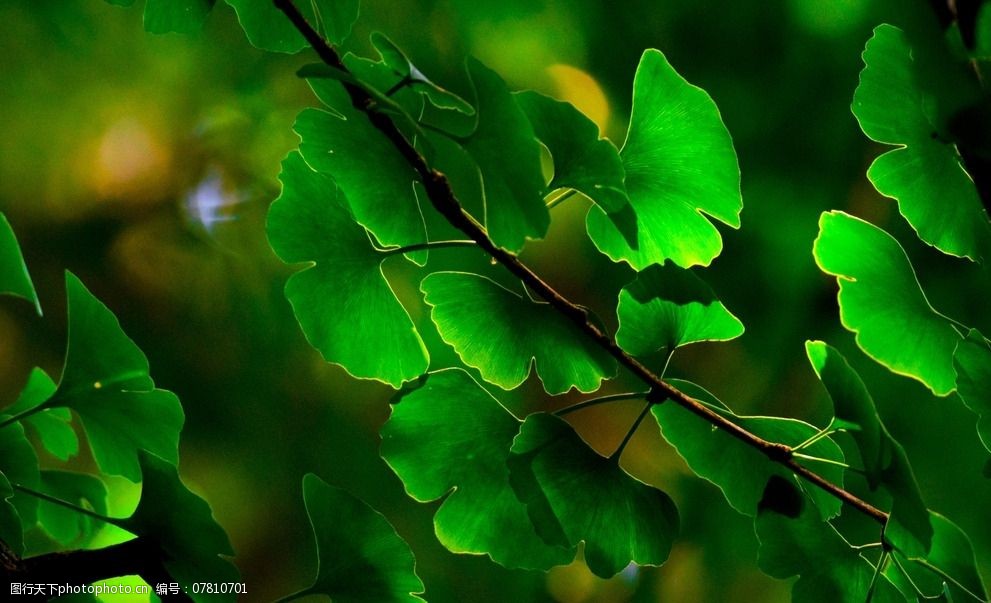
x,y
427,245
77,568
599,400
446,203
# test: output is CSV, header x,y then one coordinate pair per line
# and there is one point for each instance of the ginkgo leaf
x,y
680,167
882,302
924,174
182,525
374,177
269,29
342,300
14,277
53,425
397,61
830,569
106,381
361,558
11,531
180,16
575,495
666,307
449,438
64,525
502,333
19,464
885,461
972,363
739,470
582,160
512,181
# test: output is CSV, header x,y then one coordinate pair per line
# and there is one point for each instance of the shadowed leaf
x,y
53,425
269,29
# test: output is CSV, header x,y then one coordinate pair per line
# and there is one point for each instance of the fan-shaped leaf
x,y
106,381
53,425
680,164
503,333
582,161
575,495
881,301
831,570
14,277
183,526
269,29
512,181
361,558
342,301
64,525
19,464
739,470
924,174
972,362
397,61
666,307
885,461
449,438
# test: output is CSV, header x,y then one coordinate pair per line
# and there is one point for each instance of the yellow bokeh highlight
x,y
581,90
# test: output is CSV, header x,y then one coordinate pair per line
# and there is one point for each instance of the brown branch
x,y
139,557
444,201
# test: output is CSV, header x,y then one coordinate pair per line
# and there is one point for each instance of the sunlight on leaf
x,y
53,425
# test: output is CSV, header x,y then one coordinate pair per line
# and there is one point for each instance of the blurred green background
x,y
145,164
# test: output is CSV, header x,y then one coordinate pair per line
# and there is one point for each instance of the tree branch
x,y
444,201
139,557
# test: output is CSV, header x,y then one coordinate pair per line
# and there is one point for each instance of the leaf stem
x,y
904,572
945,576
427,245
629,434
68,505
446,203
599,400
406,81
817,459
25,414
822,433
554,202
877,572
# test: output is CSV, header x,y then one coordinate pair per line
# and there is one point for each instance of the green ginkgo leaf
x,y
268,28
53,425
830,569
19,464
885,461
739,470
680,164
882,302
502,333
361,558
11,531
14,277
342,300
582,160
666,307
180,16
65,525
183,526
506,150
397,61
575,495
375,179
449,438
924,174
947,573
972,362
106,381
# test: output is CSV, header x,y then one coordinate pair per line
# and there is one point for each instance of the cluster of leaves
x,y
511,485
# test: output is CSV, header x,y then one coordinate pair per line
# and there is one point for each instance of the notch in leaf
x,y
360,557
449,439
575,495
342,300
503,333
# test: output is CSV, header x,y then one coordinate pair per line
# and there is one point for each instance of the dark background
x,y
145,165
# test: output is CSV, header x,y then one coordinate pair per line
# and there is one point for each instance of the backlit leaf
x,y
972,362
450,439
19,464
342,300
885,461
680,167
53,425
575,495
924,174
666,307
268,28
14,277
502,333
64,525
881,301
